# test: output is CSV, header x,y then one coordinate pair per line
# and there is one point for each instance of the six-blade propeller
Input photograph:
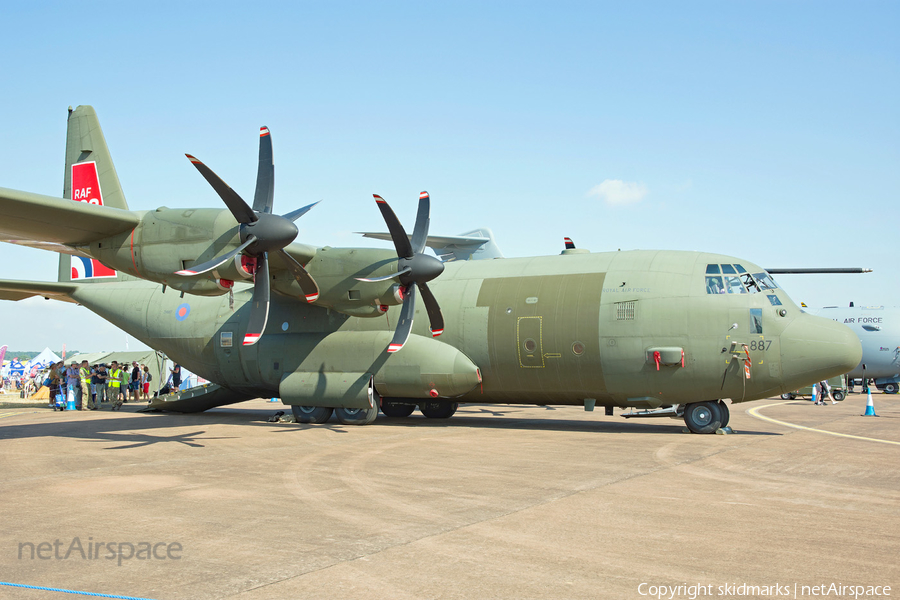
x,y
414,270
261,233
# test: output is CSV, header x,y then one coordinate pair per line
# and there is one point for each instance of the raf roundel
x,y
182,312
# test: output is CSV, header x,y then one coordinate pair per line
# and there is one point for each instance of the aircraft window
x,y
714,285
734,286
765,282
710,269
740,269
773,299
750,283
728,270
756,320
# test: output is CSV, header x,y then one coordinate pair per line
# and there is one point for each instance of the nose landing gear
x,y
706,417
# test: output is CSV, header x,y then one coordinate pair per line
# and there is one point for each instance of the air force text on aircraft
x,y
635,290
870,320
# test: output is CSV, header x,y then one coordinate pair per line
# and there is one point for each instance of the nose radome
x,y
815,348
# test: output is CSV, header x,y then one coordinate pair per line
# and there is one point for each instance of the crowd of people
x,y
92,386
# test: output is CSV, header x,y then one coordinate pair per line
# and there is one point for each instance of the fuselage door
x,y
529,338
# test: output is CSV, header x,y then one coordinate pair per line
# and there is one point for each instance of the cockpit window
x,y
750,283
714,285
765,281
734,285
735,279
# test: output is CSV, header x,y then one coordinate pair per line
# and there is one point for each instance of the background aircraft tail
x,y
90,177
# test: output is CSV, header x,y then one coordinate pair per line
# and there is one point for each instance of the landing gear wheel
x,y
438,409
788,396
838,395
726,414
356,416
891,388
703,417
311,414
396,409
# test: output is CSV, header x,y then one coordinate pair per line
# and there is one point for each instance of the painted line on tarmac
x,y
4,415
754,412
49,589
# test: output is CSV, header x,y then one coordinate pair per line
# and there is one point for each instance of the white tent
x,y
41,361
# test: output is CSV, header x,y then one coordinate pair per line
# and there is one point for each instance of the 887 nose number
x,y
761,345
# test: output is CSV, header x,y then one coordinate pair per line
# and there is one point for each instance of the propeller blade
x,y
307,283
296,214
242,213
259,308
398,234
219,260
265,175
420,231
404,325
434,311
386,277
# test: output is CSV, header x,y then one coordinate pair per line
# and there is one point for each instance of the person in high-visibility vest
x,y
84,374
114,385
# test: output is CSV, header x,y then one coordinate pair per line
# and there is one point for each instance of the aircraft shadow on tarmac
x,y
126,433
123,432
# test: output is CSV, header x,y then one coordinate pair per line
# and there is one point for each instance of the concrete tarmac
x,y
497,502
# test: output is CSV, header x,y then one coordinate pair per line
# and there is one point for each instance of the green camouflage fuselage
x,y
548,330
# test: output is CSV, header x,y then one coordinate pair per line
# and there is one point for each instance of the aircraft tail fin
x,y
90,177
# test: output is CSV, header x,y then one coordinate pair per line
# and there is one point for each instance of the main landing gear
x,y
432,409
706,417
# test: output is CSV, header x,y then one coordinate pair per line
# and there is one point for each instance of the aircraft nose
x,y
815,348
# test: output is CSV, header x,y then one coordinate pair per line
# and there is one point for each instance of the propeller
x,y
261,233
414,270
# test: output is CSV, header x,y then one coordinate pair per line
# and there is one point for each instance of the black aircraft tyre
x,y
891,388
396,409
311,414
438,409
838,395
703,417
726,413
356,416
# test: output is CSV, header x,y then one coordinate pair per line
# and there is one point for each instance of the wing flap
x,y
27,216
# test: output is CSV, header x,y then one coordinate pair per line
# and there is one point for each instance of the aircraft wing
x,y
473,245
27,217
19,290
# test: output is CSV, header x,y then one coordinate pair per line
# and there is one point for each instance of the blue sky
x,y
765,130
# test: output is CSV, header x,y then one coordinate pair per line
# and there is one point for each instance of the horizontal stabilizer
x,y
27,216
19,290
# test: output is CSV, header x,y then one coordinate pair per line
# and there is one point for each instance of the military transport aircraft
x,y
878,329
229,294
